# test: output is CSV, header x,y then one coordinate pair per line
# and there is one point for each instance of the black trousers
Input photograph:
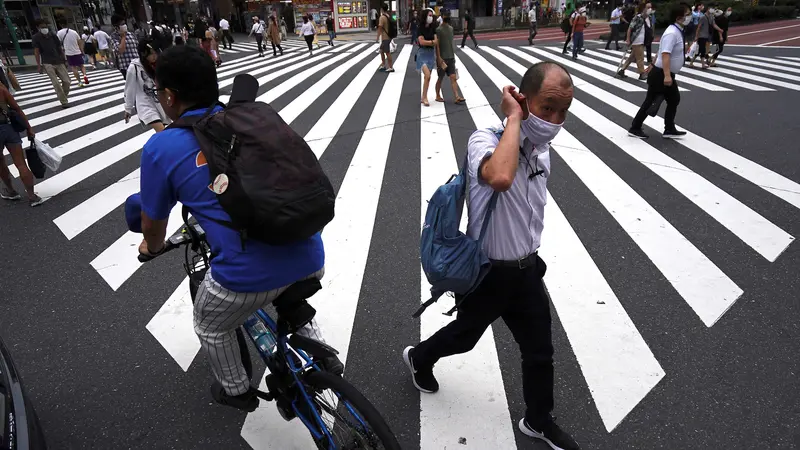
x,y
259,41
614,36
656,87
227,39
566,43
275,53
471,34
518,297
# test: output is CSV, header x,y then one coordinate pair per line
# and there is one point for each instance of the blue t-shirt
x,y
175,170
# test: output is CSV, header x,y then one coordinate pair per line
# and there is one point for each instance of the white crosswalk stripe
x,y
100,170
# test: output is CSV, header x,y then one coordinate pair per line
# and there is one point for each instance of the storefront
x,y
62,12
352,16
320,10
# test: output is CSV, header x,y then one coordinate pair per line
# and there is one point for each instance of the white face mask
x,y
123,29
44,30
728,13
429,20
711,10
582,10
717,13
539,131
686,20
647,11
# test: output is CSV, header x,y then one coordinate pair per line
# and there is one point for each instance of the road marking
x,y
81,217
347,243
783,57
83,96
44,82
762,31
766,179
117,263
173,326
754,230
729,63
298,78
785,67
617,364
689,81
788,61
474,394
778,42
711,76
26,94
290,60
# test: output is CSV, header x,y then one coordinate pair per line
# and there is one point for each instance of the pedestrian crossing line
x,y
790,58
120,260
81,217
289,61
62,181
347,242
611,68
625,86
753,229
616,362
71,111
762,177
684,80
28,92
49,93
787,62
732,81
44,81
83,96
472,379
707,290
750,68
326,128
84,121
759,63
173,326
293,110
295,80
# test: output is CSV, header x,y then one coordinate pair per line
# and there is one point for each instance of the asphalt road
x,y
671,265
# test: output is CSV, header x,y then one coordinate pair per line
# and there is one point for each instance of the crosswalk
x,y
364,124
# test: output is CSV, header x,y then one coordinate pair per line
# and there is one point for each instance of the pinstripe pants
x,y
217,314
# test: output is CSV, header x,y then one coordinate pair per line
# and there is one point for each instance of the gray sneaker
x,y
7,194
36,201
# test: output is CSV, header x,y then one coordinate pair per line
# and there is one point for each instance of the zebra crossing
x,y
347,111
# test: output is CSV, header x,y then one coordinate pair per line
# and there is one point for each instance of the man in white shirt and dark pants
x,y
661,81
515,161
69,40
532,21
227,40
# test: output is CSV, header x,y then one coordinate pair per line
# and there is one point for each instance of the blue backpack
x,y
452,261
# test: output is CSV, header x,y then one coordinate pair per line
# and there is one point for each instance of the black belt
x,y
522,263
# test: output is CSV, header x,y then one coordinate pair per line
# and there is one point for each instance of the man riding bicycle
x,y
245,278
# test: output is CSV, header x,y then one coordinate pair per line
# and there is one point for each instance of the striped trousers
x,y
217,314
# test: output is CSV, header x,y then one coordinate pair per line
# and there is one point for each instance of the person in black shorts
x,y
446,58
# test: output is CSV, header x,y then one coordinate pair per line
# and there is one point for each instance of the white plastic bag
x,y
693,50
392,46
49,157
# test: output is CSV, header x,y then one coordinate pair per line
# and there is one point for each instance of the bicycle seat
x,y
292,307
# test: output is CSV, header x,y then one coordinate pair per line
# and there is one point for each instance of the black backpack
x,y
266,177
392,31
565,25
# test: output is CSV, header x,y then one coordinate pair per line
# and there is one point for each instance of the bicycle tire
x,y
325,380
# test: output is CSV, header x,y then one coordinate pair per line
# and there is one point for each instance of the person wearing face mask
x,y
578,25
125,44
722,21
661,81
140,94
706,28
426,54
635,39
514,161
50,59
616,17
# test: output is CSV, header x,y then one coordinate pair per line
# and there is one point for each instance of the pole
x,y
12,31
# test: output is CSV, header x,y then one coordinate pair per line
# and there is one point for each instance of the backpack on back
x,y
392,31
265,176
451,260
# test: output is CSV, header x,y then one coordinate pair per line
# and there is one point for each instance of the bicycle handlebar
x,y
180,238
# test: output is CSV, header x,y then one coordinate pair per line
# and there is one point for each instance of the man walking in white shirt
x,y
227,40
532,20
72,49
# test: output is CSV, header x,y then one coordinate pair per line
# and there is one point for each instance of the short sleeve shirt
x,y
704,27
49,48
445,35
672,43
69,38
516,225
615,15
580,23
532,15
173,169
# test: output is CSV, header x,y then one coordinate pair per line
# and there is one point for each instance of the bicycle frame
x,y
296,368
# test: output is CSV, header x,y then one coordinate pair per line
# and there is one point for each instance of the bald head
x,y
547,86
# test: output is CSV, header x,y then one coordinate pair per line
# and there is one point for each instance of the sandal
x,y
425,102
460,100
440,99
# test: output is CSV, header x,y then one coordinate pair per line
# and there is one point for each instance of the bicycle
x,y
296,380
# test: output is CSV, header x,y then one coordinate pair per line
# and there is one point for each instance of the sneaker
x,y
7,194
246,402
671,134
621,73
390,69
638,133
551,434
423,379
86,80
333,365
643,76
36,201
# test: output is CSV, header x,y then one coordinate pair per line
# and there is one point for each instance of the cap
x,y
133,212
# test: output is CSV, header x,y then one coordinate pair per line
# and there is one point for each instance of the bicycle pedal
x,y
265,395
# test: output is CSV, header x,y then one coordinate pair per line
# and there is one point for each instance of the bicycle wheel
x,y
350,418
